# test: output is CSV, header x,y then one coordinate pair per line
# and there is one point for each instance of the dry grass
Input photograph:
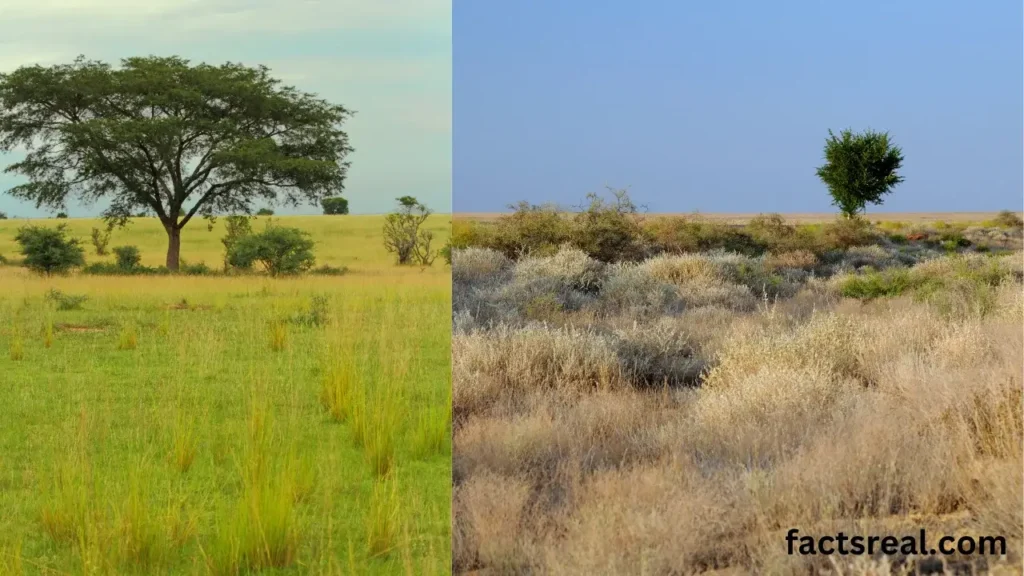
x,y
590,443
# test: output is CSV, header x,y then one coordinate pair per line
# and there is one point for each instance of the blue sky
x,y
388,61
725,106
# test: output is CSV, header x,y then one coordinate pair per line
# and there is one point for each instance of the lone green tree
x,y
859,168
164,136
335,205
404,235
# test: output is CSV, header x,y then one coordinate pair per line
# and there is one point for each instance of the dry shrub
x,y
800,259
477,264
570,267
811,411
537,357
680,269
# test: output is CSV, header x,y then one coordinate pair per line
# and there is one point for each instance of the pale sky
x,y
388,61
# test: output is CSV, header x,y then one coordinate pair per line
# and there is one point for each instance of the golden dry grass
x,y
815,412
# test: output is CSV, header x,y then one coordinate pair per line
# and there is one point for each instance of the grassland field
x,y
676,408
226,425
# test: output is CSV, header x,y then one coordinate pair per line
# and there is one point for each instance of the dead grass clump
x,y
537,357
489,511
477,264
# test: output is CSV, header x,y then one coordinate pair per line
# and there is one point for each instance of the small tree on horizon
x,y
335,206
166,137
404,236
859,169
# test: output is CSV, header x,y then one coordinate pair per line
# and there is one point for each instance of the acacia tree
x,y
163,136
859,168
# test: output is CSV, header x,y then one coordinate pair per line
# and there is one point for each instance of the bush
x,y
236,227
530,230
49,250
62,215
1008,219
3,215
335,205
846,233
128,257
684,234
264,212
66,301
404,236
446,252
609,230
281,251
891,282
100,240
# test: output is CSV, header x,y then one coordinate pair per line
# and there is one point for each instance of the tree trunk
x,y
173,247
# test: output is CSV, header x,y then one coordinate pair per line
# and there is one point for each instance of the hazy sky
x,y
388,61
725,106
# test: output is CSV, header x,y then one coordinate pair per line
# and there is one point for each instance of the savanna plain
x,y
226,424
671,395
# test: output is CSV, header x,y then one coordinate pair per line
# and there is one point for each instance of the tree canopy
x,y
859,168
159,134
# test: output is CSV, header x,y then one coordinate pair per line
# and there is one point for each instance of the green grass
x,y
192,425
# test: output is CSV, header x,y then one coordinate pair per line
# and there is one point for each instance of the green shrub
x,y
681,234
62,215
772,232
66,301
264,212
609,230
530,229
235,227
49,250
892,282
281,251
469,233
1008,219
127,257
3,215
446,252
335,206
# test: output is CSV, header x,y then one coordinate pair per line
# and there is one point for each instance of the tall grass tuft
x,y
382,518
16,348
185,444
432,434
278,336
338,388
143,541
48,333
261,530
128,339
